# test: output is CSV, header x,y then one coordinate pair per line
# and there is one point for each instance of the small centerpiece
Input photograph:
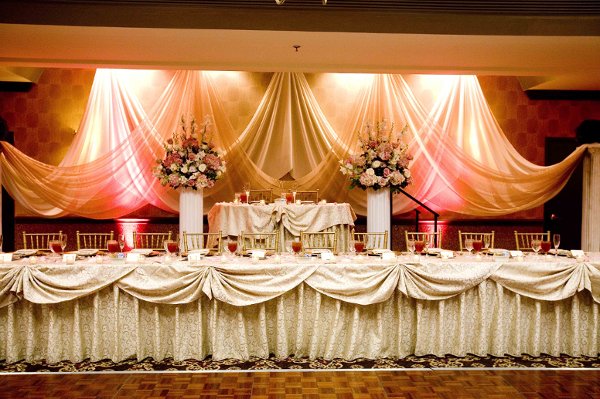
x,y
382,159
191,160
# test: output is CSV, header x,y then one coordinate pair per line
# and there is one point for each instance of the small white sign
x,y
6,258
69,259
516,254
327,256
133,257
577,253
388,255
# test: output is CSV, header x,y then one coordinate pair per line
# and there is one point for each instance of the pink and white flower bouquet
x,y
382,160
190,161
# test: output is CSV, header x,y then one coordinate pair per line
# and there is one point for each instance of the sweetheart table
x,y
356,306
287,219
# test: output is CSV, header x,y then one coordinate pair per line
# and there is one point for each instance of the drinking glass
x,y
469,245
486,241
244,197
171,247
545,246
121,241
296,246
556,242
112,246
289,198
411,246
351,248
288,247
419,246
63,241
359,246
536,245
477,246
232,246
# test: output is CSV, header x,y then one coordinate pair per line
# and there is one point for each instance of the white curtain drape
x,y
462,163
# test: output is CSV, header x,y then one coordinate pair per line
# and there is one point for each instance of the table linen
x,y
357,306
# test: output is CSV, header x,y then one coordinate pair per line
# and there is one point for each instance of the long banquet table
x,y
287,219
355,307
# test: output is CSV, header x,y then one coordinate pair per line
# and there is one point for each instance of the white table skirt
x,y
354,308
288,220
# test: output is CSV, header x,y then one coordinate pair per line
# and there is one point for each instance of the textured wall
x,y
45,118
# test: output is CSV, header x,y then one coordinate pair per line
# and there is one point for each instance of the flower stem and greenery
x,y
382,160
190,161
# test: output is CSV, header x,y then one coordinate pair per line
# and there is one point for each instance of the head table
x,y
286,219
353,306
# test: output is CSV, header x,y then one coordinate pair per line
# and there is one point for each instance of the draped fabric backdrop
x,y
463,163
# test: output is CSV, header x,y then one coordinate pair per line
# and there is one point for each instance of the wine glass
x,y
536,245
410,244
296,246
469,245
232,246
477,246
359,246
486,241
419,246
121,241
351,248
545,246
171,246
556,243
63,241
112,246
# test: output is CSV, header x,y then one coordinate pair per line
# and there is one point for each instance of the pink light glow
x,y
128,226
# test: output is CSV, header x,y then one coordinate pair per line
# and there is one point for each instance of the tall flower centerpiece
x,y
380,166
191,163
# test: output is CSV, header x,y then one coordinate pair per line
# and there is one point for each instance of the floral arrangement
x,y
382,160
190,161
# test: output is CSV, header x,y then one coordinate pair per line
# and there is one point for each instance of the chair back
x,y
261,195
39,240
523,240
93,240
212,241
266,241
463,236
429,237
374,240
308,196
312,240
155,241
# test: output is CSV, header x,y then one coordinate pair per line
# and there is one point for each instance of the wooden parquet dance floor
x,y
432,384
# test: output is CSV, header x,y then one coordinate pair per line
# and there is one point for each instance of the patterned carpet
x,y
292,363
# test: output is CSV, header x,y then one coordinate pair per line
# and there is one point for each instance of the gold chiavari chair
x,y
428,237
523,240
308,196
266,241
261,195
373,240
154,241
93,240
318,240
210,241
39,240
463,236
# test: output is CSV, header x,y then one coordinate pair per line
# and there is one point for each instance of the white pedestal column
x,y
191,211
590,223
378,212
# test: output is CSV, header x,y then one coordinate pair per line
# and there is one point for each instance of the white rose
x,y
184,169
407,173
376,164
370,172
174,167
202,167
193,169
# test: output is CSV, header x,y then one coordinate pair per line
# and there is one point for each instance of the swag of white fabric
x,y
245,285
463,163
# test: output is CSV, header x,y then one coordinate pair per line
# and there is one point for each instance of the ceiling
x,y
549,45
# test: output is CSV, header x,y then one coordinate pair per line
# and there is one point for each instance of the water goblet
x,y
486,241
544,246
556,243
296,246
55,246
232,246
63,241
359,246
477,246
419,246
469,245
112,246
536,245
121,241
171,247
410,244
